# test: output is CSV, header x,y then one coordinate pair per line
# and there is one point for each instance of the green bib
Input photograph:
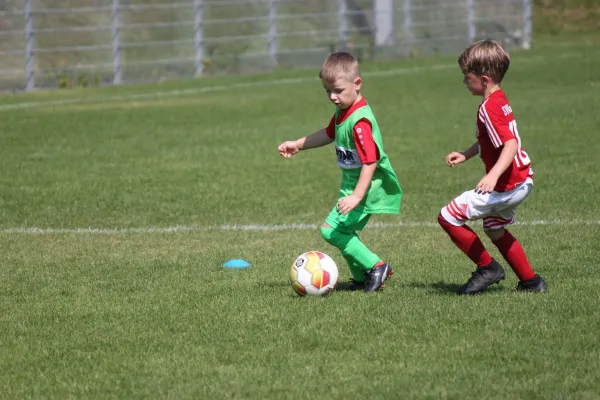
x,y
384,194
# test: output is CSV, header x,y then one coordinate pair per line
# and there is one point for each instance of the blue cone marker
x,y
236,264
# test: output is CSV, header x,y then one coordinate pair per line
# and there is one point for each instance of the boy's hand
x,y
486,184
288,149
347,204
455,158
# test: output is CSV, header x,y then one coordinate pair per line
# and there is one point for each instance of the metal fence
x,y
65,43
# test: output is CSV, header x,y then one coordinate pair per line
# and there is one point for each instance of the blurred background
x,y
66,43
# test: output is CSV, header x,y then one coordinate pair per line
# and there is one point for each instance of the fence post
x,y
273,31
199,39
470,4
116,45
343,24
526,44
383,11
29,67
408,37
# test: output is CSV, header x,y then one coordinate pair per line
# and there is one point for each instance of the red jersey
x,y
495,126
363,136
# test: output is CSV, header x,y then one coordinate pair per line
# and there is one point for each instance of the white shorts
x,y
497,209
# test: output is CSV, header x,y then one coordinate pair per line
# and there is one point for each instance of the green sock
x,y
351,246
357,272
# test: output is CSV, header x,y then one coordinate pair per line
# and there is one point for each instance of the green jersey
x,y
384,194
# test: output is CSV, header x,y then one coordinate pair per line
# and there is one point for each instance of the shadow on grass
x,y
448,288
348,287
340,287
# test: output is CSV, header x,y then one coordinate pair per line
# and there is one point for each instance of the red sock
x,y
468,241
515,256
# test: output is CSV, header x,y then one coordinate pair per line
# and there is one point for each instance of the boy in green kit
x,y
369,183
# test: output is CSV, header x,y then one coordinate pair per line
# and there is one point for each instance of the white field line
x,y
207,89
235,86
257,228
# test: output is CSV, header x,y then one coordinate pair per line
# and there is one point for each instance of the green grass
x,y
152,315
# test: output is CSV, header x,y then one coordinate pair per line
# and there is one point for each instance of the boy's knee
x,y
328,233
444,222
334,237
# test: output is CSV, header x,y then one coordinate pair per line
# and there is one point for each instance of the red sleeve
x,y
497,123
331,128
365,144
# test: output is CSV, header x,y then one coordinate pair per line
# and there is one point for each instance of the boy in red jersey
x,y
507,183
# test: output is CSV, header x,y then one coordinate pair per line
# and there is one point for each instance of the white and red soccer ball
x,y
314,274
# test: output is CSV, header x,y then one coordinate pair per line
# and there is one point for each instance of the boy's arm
x,y
471,151
455,158
507,155
317,139
348,203
320,138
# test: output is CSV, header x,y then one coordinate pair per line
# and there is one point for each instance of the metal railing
x,y
98,42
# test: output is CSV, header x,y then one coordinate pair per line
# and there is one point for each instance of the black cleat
x,y
376,278
536,284
482,278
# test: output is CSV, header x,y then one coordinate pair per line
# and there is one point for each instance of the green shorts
x,y
353,221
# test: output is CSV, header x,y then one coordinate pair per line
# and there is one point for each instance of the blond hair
x,y
486,57
340,65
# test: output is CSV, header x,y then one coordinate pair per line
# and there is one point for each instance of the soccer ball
x,y
313,273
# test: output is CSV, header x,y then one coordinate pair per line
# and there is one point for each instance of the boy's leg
x,y
467,240
339,231
512,251
358,274
452,218
509,246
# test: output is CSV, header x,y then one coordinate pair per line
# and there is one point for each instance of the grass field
x,y
103,301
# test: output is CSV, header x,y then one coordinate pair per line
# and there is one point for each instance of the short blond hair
x,y
486,57
340,65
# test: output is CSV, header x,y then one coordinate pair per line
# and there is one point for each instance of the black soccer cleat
x,y
482,278
536,284
376,277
